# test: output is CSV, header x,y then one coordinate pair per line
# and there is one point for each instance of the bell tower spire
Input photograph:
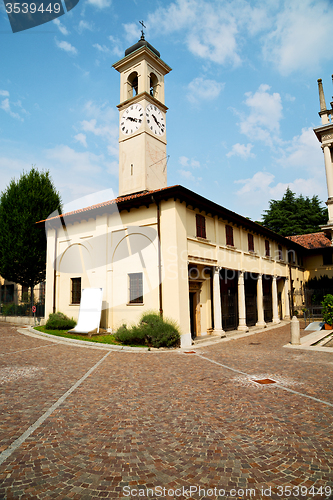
x,y
142,115
325,136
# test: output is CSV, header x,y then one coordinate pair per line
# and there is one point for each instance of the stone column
x,y
241,304
328,168
218,330
260,303
276,318
286,299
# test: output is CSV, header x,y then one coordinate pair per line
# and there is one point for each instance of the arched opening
x,y
153,82
133,84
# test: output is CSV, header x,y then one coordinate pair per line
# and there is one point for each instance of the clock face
x,y
155,120
131,119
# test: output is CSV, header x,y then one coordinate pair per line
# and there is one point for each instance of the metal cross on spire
x,y
142,32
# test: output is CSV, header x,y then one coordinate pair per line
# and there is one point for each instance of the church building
x,y
166,248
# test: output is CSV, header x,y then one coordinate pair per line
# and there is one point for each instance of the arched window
x,y
133,84
153,81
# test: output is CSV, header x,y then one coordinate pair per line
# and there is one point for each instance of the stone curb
x,y
30,331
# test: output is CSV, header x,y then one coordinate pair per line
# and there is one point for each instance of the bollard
x,y
295,332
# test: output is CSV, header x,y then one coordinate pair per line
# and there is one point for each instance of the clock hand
x,y
158,123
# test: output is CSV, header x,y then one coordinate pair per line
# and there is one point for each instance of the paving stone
x,y
164,419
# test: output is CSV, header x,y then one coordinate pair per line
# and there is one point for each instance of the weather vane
x,y
142,32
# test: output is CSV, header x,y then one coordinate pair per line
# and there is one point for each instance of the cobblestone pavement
x,y
85,424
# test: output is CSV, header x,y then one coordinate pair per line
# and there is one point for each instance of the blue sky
x,y
242,96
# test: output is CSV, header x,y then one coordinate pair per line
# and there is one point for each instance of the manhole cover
x,y
265,381
189,352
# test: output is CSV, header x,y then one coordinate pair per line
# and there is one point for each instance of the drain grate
x,y
189,352
265,381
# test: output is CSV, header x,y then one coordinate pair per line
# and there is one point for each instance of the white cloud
x,y
132,32
188,175
260,182
290,35
102,122
5,105
61,27
5,93
67,47
84,25
82,139
263,120
201,89
260,188
209,29
100,4
116,50
242,150
302,31
187,162
74,161
102,48
304,151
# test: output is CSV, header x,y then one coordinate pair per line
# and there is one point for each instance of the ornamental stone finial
x,y
321,95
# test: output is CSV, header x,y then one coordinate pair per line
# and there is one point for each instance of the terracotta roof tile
x,y
120,199
312,240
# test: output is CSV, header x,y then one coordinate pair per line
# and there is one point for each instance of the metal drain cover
x,y
265,381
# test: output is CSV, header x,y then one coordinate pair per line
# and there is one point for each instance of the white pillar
x,y
276,318
260,303
218,330
329,176
286,299
241,304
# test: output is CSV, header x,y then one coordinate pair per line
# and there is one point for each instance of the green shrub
x,y
13,309
130,336
59,321
327,310
152,331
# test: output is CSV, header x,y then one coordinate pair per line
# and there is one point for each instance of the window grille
x,y
135,288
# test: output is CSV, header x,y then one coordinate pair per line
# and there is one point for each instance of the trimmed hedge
x,y
152,331
59,321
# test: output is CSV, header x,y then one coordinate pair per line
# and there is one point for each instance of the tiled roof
x,y
120,199
312,240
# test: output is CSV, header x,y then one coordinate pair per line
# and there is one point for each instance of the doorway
x,y
195,319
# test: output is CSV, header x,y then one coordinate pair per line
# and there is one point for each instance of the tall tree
x,y
293,215
22,243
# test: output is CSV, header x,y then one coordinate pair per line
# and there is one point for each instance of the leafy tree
x,y
22,243
295,215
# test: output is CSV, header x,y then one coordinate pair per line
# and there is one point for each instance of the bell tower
x,y
142,123
325,136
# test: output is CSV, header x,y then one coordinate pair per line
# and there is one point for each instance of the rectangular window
x,y
327,258
267,249
291,256
135,288
76,290
250,241
201,226
280,252
229,235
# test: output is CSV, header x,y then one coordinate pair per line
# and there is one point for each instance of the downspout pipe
x,y
55,271
159,256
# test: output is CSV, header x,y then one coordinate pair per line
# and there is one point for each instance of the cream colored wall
x,y
175,266
88,249
315,268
